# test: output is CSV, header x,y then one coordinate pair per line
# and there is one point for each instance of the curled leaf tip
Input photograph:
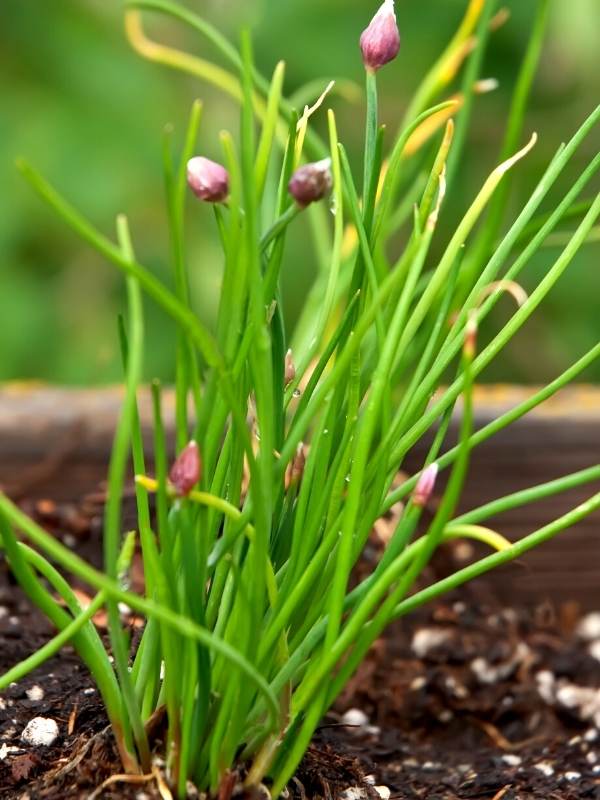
x,y
510,162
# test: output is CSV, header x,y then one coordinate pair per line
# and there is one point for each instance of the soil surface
x,y
465,699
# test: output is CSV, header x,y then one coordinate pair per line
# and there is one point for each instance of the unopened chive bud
x,y
380,42
295,468
424,488
311,182
470,343
289,370
208,180
186,470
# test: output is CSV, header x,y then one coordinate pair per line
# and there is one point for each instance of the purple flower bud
x,y
380,42
311,182
424,488
208,180
186,470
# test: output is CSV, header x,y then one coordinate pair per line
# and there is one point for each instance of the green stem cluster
x,y
251,629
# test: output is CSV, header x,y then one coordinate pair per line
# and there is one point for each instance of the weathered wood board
x,y
56,442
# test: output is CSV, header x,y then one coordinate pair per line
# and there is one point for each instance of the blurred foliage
x,y
90,114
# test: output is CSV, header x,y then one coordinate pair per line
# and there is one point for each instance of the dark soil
x,y
466,699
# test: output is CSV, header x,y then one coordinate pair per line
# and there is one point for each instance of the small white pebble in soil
x,y
545,768
487,673
463,551
355,718
3,612
353,793
370,779
89,690
456,688
545,683
2,704
591,735
7,750
575,740
14,620
446,716
428,639
594,649
464,768
431,765
35,693
383,792
584,699
596,769
40,731
483,670
589,626
591,757
418,683
572,776
69,540
511,760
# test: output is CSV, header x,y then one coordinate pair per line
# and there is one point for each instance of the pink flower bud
x,y
311,182
424,488
380,42
208,180
186,470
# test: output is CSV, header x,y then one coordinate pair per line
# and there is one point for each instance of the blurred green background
x,y
89,114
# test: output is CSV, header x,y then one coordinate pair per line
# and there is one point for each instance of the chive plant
x,y
289,444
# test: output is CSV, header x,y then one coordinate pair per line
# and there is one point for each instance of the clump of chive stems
x,y
288,446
